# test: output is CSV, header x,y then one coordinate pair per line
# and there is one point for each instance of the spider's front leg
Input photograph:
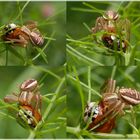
x,y
124,26
100,25
109,99
108,86
36,102
11,98
108,92
36,106
20,41
25,98
31,24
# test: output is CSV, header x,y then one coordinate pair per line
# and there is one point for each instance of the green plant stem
x,y
89,84
47,111
113,72
115,136
53,99
47,71
83,57
73,130
21,10
6,63
18,4
44,48
79,88
77,130
6,115
84,85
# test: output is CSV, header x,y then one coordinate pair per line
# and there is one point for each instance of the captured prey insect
x,y
22,35
116,31
102,116
29,103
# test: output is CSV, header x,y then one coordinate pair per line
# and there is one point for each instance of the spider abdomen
x,y
130,96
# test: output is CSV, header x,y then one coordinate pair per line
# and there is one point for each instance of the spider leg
x,y
37,102
118,110
21,41
99,25
111,108
11,99
31,24
108,86
124,26
109,99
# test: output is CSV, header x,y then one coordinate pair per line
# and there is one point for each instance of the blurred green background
x,y
49,80
78,90
51,23
81,17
